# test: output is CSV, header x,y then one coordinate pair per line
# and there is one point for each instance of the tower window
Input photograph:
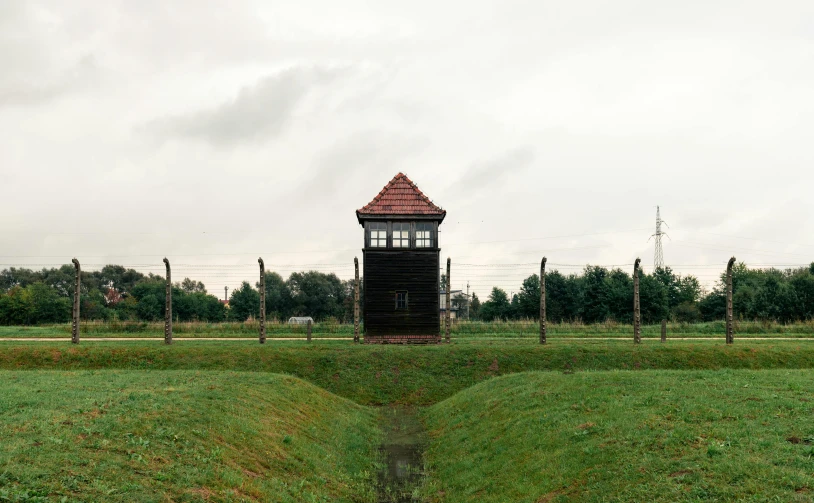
x,y
401,300
401,235
423,235
378,235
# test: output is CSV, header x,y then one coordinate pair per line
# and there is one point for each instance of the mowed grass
x,y
509,421
184,436
730,435
410,375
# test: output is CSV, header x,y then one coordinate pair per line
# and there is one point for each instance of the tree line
x,y
29,297
597,294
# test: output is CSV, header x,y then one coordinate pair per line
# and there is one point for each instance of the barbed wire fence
x,y
472,277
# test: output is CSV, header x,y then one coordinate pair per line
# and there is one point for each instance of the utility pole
x,y
637,313
168,306
658,258
542,302
467,301
356,300
262,300
75,324
730,329
448,317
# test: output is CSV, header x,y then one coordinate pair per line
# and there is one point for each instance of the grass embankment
x,y
423,375
460,329
180,436
625,436
650,435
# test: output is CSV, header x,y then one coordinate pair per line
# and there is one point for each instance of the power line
x,y
705,246
543,237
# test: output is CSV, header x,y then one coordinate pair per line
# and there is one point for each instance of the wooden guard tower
x,y
401,265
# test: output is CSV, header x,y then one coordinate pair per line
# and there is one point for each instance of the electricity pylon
x,y
658,259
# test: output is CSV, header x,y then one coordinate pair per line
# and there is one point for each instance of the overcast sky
x,y
216,132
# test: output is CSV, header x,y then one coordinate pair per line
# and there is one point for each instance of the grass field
x,y
626,436
460,329
180,436
378,375
508,420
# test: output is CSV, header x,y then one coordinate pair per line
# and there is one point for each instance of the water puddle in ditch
x,y
401,452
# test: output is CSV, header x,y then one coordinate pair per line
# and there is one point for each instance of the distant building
x,y
401,264
300,320
453,312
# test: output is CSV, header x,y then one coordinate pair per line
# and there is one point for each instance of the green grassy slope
x,y
626,436
147,436
417,375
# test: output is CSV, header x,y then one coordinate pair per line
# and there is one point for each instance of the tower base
x,y
402,339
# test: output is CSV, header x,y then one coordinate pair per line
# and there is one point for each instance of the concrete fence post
x,y
308,331
542,302
637,315
75,313
356,301
168,306
448,311
262,300
663,330
730,316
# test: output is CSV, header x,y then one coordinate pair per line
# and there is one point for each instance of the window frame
x,y
403,242
377,227
406,299
427,227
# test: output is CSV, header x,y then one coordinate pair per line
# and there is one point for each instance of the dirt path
x,y
401,453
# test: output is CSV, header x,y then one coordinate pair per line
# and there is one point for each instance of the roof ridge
x,y
392,200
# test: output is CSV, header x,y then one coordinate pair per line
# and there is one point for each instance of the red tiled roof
x,y
401,197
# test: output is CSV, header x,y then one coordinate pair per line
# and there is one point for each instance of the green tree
x,y
47,305
13,276
316,294
244,302
595,307
496,307
681,291
93,304
278,297
126,309
528,299
149,308
803,283
150,295
474,307
619,295
653,299
713,305
199,306
459,302
61,280
118,278
16,306
564,297
776,299
191,286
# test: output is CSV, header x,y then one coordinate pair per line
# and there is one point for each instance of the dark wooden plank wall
x,y
385,272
